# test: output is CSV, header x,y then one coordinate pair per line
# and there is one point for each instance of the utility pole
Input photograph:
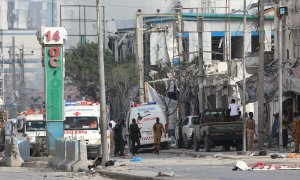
x,y
52,22
140,54
281,43
103,20
244,78
22,89
180,34
14,77
261,76
181,105
200,61
103,114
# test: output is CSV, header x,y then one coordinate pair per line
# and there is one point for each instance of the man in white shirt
x,y
234,110
111,125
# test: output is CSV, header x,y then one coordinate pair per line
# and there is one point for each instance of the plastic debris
x,y
219,155
165,174
241,165
293,155
136,159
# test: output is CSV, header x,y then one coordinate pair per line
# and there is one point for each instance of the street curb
x,y
117,175
34,164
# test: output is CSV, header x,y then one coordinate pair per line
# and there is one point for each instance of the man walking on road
x,y
250,129
134,135
158,129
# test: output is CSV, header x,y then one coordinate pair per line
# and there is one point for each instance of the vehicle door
x,y
185,127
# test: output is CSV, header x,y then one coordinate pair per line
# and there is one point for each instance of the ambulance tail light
x,y
135,105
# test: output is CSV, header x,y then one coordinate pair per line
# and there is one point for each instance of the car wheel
x,y
186,143
178,144
226,147
196,144
239,147
165,145
207,144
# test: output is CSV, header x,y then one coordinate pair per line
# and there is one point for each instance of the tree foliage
x,y
82,71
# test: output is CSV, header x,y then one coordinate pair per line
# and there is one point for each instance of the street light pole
x,y
103,114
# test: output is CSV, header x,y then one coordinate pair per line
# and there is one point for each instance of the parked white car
x,y
184,133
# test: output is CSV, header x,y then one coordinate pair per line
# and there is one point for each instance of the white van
x,y
149,112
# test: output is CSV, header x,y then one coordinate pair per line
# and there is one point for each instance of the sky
x,y
126,9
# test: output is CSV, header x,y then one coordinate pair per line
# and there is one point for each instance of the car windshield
x,y
194,119
35,125
76,123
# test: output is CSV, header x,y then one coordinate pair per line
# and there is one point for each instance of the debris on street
x,y
136,159
96,163
219,155
241,165
110,162
293,155
275,156
165,174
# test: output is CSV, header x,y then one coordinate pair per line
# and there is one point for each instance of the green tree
x,y
82,71
82,68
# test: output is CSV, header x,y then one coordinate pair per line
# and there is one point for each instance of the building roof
x,y
210,17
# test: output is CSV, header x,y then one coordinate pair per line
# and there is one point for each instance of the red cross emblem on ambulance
x,y
76,114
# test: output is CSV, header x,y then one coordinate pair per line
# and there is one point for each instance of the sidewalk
x,y
174,160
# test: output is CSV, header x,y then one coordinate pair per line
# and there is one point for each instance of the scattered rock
x,y
110,162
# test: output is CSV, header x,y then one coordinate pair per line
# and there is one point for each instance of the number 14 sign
x,y
52,35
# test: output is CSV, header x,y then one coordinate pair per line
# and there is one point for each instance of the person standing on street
x,y
234,110
111,125
250,130
275,129
285,123
134,135
296,131
118,138
158,130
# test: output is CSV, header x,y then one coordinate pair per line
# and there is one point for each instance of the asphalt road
x,y
20,173
224,173
208,168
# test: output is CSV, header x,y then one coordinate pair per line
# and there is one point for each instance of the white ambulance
x,y
148,113
33,125
82,122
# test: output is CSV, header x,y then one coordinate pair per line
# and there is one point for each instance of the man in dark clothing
x,y
118,137
134,135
